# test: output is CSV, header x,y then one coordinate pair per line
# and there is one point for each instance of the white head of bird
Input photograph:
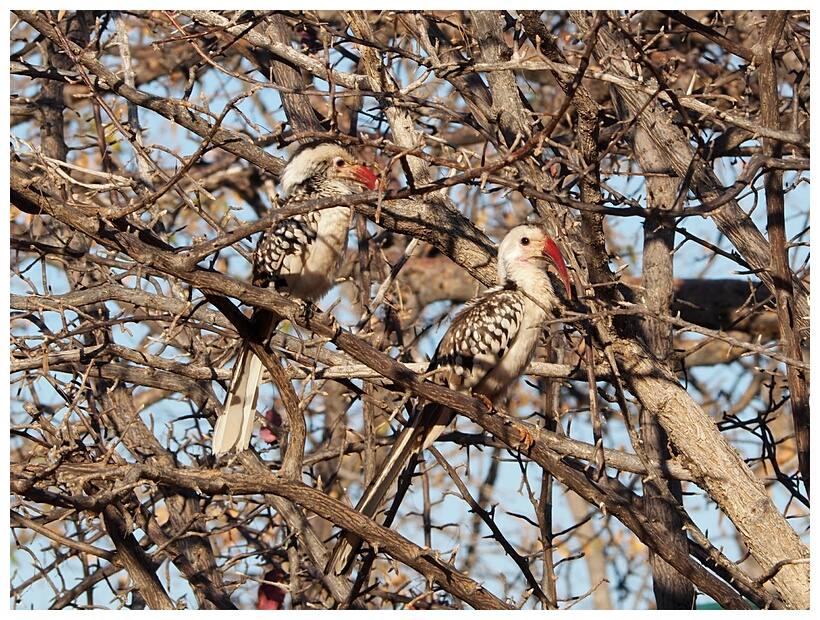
x,y
324,169
523,258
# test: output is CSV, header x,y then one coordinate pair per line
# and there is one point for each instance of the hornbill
x,y
488,345
300,256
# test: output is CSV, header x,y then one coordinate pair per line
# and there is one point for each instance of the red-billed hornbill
x,y
300,256
487,347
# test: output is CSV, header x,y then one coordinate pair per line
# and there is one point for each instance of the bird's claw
x,y
487,402
525,437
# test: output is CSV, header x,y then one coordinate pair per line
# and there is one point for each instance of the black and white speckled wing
x,y
479,337
288,242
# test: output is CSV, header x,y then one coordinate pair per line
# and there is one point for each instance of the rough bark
x,y
745,500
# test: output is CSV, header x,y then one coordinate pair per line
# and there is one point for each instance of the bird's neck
x,y
312,190
330,215
536,289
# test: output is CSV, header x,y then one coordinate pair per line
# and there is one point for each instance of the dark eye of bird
x,y
525,241
339,162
